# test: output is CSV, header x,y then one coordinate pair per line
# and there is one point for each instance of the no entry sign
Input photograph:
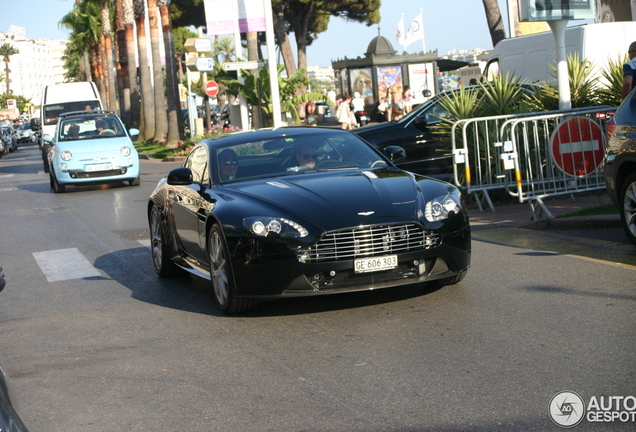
x,y
211,88
577,146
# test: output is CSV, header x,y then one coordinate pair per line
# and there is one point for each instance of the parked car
x,y
619,167
25,133
10,139
304,211
414,132
91,148
9,418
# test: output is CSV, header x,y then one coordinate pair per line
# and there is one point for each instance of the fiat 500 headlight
x,y
125,151
442,207
66,156
264,225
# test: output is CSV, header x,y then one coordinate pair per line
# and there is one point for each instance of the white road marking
x,y
145,243
64,264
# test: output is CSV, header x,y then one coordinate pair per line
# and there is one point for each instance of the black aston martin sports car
x,y
304,211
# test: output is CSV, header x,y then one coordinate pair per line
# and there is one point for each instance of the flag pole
x,y
423,36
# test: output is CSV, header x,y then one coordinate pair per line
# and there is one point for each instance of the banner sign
x,y
221,16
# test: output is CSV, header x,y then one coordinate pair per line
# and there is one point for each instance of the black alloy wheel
x,y
628,207
158,246
225,294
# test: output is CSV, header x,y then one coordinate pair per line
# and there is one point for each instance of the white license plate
x,y
99,167
363,117
365,265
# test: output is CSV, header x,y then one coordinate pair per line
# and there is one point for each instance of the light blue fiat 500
x,y
92,147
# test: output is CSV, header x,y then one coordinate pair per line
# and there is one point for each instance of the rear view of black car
x,y
619,167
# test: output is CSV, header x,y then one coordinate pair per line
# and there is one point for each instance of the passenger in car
x,y
73,131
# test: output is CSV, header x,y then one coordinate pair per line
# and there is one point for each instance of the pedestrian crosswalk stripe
x,y
64,264
145,242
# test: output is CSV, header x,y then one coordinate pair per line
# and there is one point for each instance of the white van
x,y
61,98
529,57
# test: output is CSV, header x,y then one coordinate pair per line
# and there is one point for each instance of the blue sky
x,y
448,25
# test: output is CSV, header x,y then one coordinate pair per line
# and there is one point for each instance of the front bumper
x,y
266,270
82,175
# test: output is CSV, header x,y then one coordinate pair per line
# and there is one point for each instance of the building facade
x,y
38,64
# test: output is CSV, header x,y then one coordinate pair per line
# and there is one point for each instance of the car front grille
x,y
369,241
97,174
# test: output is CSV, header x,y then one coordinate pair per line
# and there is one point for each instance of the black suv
x,y
619,167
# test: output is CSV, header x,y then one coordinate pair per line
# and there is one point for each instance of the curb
x,y
581,222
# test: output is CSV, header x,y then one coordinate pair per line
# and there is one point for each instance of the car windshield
x,y
25,126
90,127
291,155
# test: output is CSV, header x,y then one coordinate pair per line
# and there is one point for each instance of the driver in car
x,y
100,125
307,157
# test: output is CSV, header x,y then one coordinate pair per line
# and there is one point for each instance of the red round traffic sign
x,y
211,88
578,146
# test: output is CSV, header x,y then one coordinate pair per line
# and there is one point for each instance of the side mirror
x,y
35,124
420,122
134,134
395,153
47,138
180,177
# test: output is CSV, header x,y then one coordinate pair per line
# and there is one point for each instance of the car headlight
x,y
66,156
264,225
125,151
440,208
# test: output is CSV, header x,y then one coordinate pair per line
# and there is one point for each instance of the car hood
x,y
345,198
97,145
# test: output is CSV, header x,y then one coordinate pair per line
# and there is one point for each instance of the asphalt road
x,y
105,345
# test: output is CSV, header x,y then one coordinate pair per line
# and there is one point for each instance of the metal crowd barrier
x,y
531,156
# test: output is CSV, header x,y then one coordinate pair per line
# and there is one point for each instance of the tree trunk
x,y
172,80
495,21
108,48
129,30
147,102
284,44
102,81
252,55
161,115
123,86
6,73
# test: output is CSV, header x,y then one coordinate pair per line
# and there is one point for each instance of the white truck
x,y
529,57
62,98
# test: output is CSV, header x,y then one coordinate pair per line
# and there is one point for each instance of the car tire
x,y
628,207
159,247
57,187
225,295
135,181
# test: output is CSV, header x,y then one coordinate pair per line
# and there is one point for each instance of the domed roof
x,y
380,46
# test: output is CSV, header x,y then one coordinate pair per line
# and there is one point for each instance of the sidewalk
x,y
520,214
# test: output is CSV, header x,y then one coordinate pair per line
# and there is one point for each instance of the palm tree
x,y
161,117
147,102
6,51
85,30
